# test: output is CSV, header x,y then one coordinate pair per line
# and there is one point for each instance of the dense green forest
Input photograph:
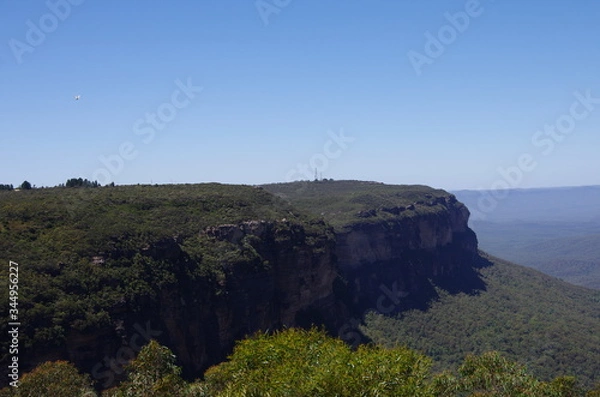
x,y
339,202
81,251
544,323
305,363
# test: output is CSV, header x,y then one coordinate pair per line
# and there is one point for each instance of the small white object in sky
x,y
77,97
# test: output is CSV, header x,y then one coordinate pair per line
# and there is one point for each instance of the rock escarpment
x,y
390,239
422,241
270,275
276,274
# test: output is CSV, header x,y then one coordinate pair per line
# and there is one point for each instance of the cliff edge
x,y
404,239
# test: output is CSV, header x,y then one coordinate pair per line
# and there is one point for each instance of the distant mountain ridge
x,y
560,204
554,230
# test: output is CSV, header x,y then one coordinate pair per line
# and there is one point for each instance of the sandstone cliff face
x,y
288,284
296,283
406,250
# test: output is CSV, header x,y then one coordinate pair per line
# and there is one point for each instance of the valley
x,y
554,230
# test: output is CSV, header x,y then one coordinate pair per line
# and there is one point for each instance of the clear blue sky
x,y
276,87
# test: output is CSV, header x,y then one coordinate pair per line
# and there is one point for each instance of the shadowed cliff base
x,y
466,280
392,293
395,287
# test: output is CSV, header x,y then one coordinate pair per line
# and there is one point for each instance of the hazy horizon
x,y
16,185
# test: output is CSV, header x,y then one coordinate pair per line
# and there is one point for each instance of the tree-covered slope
x,y
41,224
344,203
550,326
93,262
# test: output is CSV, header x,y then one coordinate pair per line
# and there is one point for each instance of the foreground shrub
x,y
491,375
308,363
152,374
301,363
53,379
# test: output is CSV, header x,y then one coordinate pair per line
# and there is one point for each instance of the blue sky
x,y
280,86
